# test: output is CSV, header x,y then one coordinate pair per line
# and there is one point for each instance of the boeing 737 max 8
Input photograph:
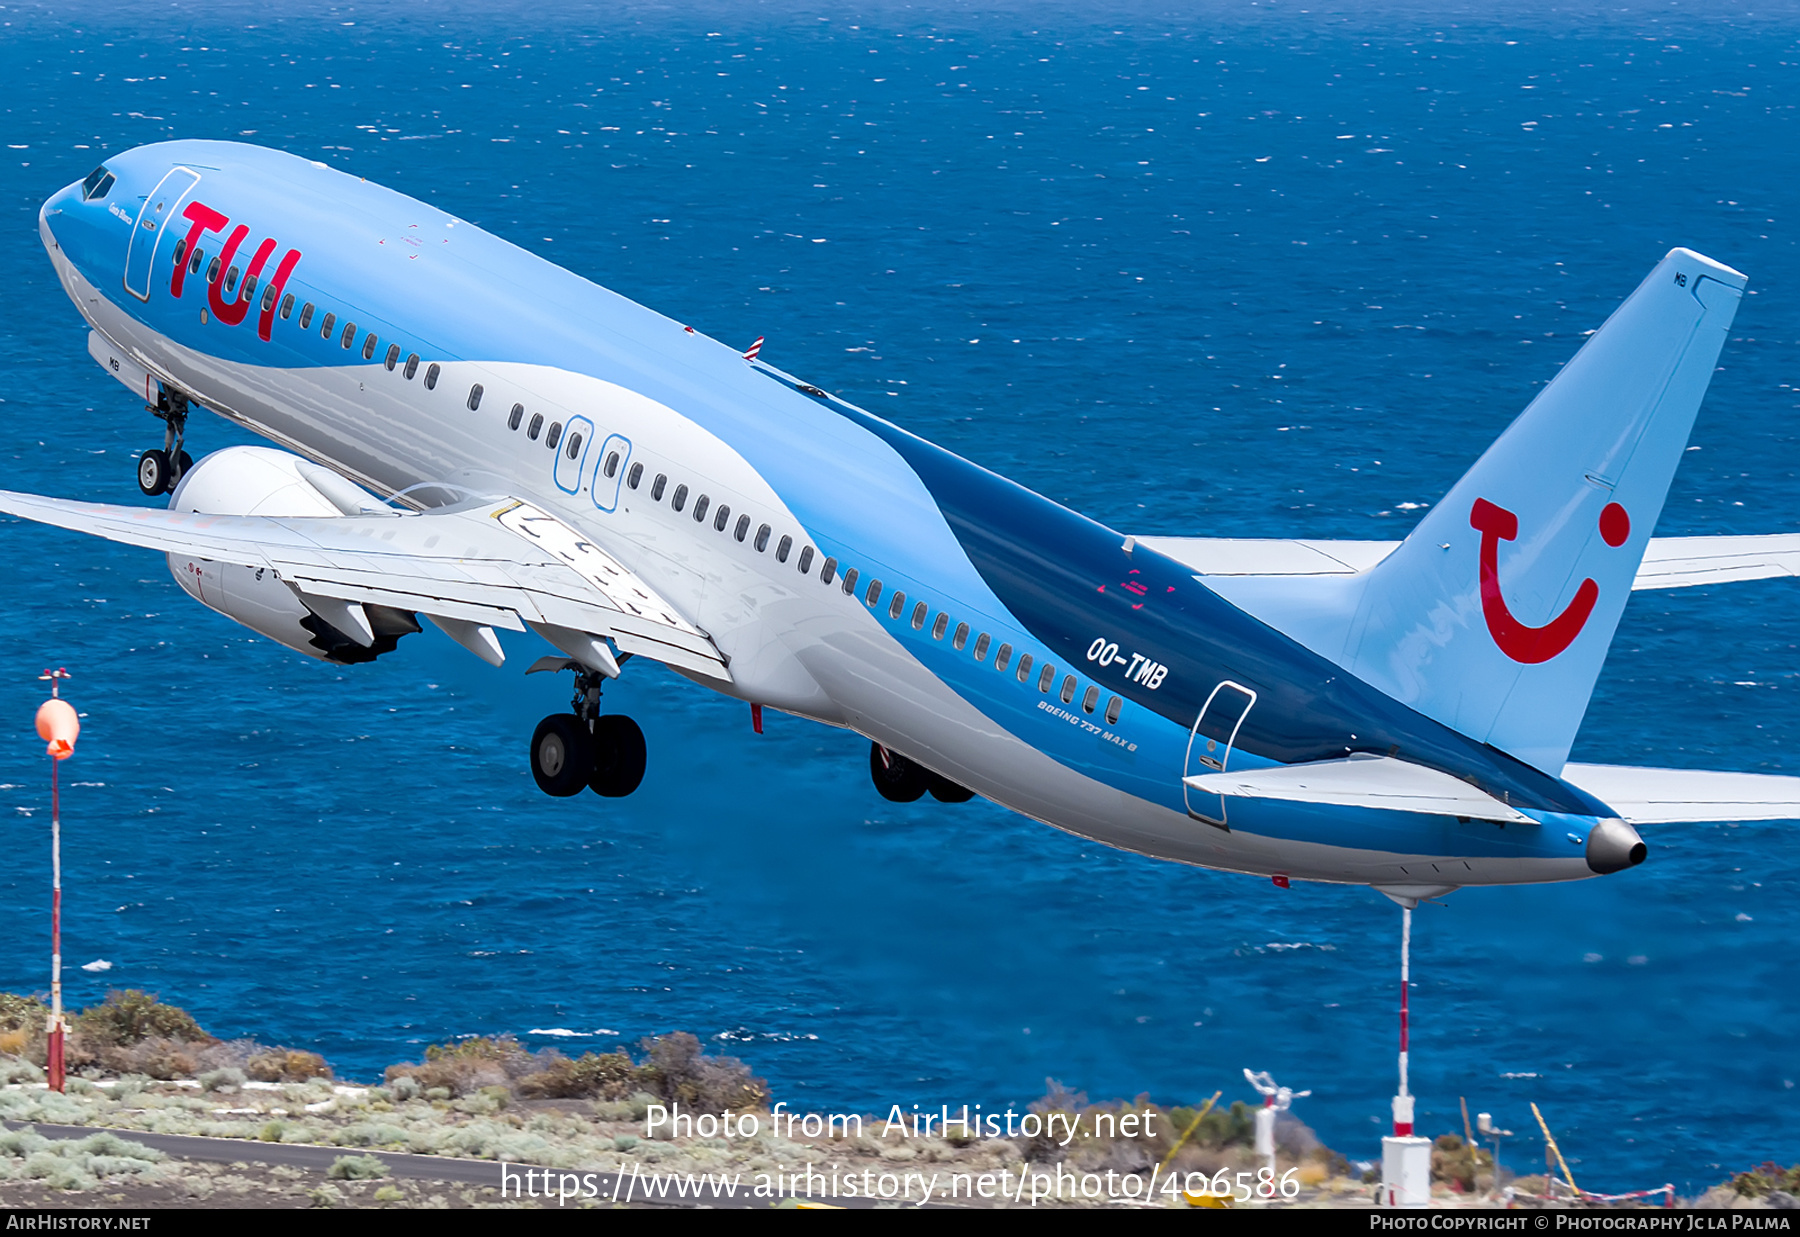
x,y
472,434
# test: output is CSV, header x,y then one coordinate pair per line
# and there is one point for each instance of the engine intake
x,y
264,481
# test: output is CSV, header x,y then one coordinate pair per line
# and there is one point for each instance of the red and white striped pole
x,y
58,724
1403,1102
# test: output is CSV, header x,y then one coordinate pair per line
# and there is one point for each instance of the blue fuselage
x,y
997,637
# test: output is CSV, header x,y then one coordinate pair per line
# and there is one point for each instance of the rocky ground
x,y
479,1102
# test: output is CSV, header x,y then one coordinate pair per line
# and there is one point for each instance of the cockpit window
x,y
98,184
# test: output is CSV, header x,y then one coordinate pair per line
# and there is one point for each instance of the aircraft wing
x,y
1669,562
1671,796
500,563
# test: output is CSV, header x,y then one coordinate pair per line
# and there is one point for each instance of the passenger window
x,y
656,487
1003,657
231,277
919,613
574,448
325,327
412,367
306,313
287,309
743,528
806,558
368,345
722,518
512,422
1024,666
554,436
249,288
475,397
896,605
349,335
981,647
781,547
850,582
612,466
874,593
1089,699
941,626
700,509
680,498
634,476
1047,677
393,357
531,431
212,272
195,261
960,638
180,251
1068,689
826,571
762,538
431,375
1113,707
268,298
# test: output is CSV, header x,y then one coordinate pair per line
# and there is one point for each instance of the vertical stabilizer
x,y
1495,615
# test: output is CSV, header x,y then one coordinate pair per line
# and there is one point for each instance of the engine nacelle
x,y
264,481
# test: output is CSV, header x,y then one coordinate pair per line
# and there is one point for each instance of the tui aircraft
x,y
466,432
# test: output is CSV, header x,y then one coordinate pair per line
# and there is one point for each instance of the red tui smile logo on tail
x,y
1534,645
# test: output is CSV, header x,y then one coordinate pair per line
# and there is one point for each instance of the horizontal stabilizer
x,y
1673,796
1363,780
1669,562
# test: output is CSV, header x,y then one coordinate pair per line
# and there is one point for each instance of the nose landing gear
x,y
159,471
585,749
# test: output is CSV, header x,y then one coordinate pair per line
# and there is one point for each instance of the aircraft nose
x,y
1613,846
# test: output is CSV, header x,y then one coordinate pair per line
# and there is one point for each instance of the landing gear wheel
x,y
946,791
562,755
183,464
898,779
619,756
153,470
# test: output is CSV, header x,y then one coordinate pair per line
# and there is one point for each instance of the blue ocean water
x,y
1192,269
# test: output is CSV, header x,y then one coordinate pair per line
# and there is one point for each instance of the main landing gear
x,y
586,749
158,471
900,780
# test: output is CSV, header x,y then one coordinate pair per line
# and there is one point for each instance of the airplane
x,y
467,432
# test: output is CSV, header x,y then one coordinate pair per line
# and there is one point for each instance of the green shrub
x,y
21,1013
356,1168
131,1017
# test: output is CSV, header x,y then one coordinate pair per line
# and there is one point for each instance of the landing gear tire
x,y
946,791
897,779
184,463
562,755
153,472
618,756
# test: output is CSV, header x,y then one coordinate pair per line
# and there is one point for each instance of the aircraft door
x,y
609,470
152,221
1209,747
571,455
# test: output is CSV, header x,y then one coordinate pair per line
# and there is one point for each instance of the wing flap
x,y
1688,796
1363,780
500,564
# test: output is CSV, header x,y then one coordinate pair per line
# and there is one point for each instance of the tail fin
x,y
1495,615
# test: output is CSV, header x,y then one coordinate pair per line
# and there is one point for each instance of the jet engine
x,y
264,481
